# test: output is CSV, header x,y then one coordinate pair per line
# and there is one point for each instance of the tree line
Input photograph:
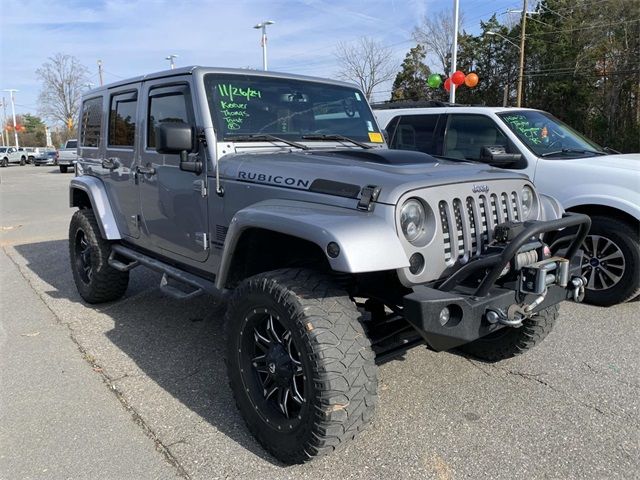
x,y
582,64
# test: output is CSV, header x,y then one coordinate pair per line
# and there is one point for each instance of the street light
x,y
13,111
521,69
263,26
171,62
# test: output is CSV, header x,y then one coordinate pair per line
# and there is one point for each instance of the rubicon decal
x,y
273,179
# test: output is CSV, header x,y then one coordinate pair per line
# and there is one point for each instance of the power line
x,y
608,24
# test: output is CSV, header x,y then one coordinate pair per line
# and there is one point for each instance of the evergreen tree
x,y
411,81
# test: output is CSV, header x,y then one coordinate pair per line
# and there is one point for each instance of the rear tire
x,y
63,169
292,330
509,341
95,279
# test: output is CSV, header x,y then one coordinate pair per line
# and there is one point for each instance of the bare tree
x,y
63,78
365,62
436,34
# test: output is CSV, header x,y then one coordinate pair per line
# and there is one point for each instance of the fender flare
x,y
367,241
95,190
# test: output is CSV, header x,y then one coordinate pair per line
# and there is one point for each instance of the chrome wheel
x,y
272,367
603,262
83,257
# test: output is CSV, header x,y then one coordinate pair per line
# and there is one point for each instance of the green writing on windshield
x,y
522,126
233,107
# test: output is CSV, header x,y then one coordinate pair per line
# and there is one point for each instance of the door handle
x,y
146,170
111,163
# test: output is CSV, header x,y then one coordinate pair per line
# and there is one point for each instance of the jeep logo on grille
x,y
480,188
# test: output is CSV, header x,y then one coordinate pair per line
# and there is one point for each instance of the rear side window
x,y
122,120
91,122
166,106
415,132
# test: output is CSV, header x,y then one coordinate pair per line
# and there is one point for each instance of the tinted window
x,y
122,120
415,132
71,144
467,134
170,107
91,122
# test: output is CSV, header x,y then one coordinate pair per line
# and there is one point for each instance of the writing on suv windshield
x,y
546,136
252,106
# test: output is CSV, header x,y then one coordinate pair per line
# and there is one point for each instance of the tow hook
x,y
578,284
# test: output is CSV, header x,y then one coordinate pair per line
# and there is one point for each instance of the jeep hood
x,y
344,172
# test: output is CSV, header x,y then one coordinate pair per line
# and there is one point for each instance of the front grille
x,y
467,224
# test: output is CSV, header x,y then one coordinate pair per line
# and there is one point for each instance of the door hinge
x,y
201,186
202,239
369,195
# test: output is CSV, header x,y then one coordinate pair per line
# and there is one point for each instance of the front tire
x,y
95,279
300,366
509,341
63,169
5,162
23,161
611,262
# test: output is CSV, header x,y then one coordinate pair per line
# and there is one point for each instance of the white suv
x,y
583,176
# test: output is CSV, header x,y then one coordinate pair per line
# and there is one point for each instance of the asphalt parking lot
x,y
146,393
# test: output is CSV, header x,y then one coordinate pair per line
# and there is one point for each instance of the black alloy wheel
x,y
83,257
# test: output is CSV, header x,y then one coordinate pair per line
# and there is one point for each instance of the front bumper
x,y
472,309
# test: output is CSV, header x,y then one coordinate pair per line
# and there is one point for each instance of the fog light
x,y
333,249
416,263
445,315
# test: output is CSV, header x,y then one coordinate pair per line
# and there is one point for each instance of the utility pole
x,y
171,62
100,72
263,27
454,52
13,111
5,138
522,34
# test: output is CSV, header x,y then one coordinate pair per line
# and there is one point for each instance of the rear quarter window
x,y
91,122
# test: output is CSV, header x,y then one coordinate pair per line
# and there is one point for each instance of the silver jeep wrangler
x,y
276,195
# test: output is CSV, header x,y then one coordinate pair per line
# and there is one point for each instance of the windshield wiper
x,y
335,136
264,136
611,150
572,150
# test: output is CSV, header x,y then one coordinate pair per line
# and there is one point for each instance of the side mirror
x,y
497,156
172,138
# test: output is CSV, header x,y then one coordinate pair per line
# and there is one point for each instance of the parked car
x,y
582,175
68,155
12,155
35,152
47,157
276,194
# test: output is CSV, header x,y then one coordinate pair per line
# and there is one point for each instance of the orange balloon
x,y
471,80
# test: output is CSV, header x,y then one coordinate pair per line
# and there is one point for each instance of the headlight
x,y
412,219
528,203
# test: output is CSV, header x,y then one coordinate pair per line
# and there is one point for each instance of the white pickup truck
x,y
68,155
583,176
12,155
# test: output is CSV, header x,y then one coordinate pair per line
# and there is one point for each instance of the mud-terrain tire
x,y
95,279
617,243
318,352
509,341
63,169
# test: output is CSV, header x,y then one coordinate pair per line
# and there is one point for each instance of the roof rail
x,y
413,104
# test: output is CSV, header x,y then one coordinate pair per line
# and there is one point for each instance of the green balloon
x,y
434,80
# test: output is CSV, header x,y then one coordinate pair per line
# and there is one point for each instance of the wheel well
x,y
80,199
605,211
259,250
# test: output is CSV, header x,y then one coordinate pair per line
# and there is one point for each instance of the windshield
x,y
545,135
3,149
244,105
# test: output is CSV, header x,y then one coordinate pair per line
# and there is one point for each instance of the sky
x,y
133,37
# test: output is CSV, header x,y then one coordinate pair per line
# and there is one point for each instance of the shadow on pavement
x,y
177,344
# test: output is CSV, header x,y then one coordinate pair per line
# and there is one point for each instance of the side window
x,y
416,132
467,134
122,120
91,122
167,106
